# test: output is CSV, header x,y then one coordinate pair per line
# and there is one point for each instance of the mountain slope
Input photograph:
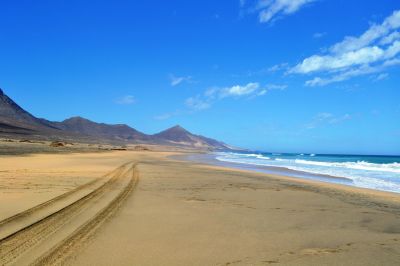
x,y
15,121
100,130
13,118
179,136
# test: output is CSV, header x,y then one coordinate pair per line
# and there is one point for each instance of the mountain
x,y
14,119
179,136
16,122
100,130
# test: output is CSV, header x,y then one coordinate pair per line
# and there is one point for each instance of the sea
x,y
367,171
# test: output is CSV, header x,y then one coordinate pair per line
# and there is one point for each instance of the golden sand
x,y
183,213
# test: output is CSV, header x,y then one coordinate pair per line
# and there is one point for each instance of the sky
x,y
316,76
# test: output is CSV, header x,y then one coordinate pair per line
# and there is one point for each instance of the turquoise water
x,y
367,171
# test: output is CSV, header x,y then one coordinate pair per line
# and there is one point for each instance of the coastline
x,y
191,213
295,176
210,158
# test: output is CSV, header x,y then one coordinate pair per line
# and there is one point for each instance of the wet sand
x,y
184,213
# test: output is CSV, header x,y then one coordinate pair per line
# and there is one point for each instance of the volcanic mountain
x,y
100,130
14,119
179,136
16,122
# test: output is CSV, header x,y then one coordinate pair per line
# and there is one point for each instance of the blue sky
x,y
318,76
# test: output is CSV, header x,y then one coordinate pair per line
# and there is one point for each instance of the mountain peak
x,y
176,130
21,122
85,126
12,114
76,118
179,135
177,127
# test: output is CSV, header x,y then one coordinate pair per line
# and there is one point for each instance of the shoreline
x,y
210,159
342,183
190,213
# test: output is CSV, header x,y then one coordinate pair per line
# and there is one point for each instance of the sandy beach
x,y
200,133
148,208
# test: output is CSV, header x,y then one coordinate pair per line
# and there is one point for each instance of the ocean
x,y
366,171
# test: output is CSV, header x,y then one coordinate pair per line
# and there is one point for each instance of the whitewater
x,y
366,171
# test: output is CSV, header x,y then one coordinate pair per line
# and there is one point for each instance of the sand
x,y
149,209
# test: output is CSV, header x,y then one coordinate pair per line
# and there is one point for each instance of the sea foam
x,y
361,173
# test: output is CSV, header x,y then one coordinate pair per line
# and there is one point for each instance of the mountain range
x,y
17,122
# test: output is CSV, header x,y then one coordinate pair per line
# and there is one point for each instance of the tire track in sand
x,y
27,239
17,222
65,249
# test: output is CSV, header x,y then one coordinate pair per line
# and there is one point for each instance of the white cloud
x,y
237,90
198,103
342,76
375,32
278,67
372,52
319,35
382,76
210,96
336,120
265,71
175,81
352,72
362,56
262,92
390,38
270,9
327,118
276,87
126,100
252,89
166,116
